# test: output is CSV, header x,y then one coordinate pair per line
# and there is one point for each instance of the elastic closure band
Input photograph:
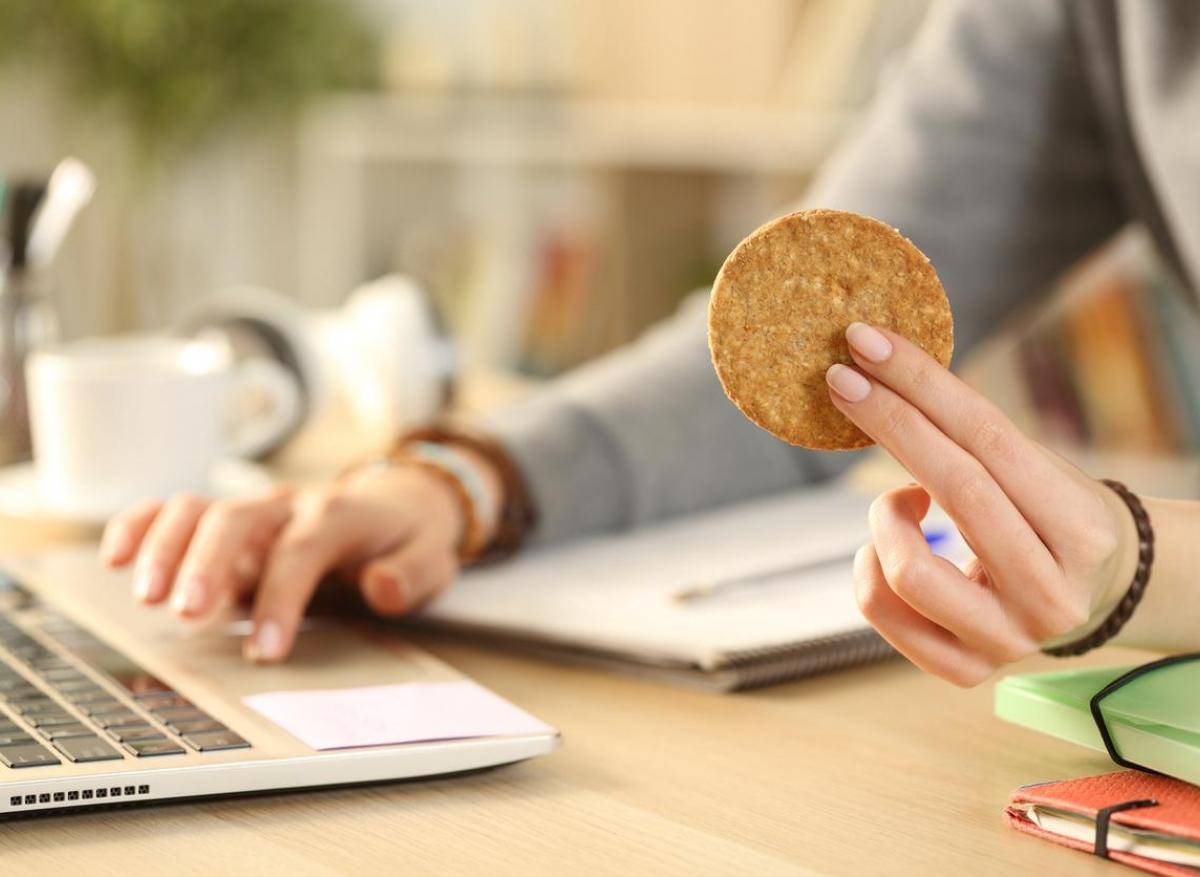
x,y
1104,817
1118,683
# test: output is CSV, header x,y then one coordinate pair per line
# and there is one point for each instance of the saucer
x,y
21,495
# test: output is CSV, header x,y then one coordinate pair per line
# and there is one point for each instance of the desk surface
x,y
875,770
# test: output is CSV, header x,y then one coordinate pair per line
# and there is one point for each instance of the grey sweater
x,y
1017,135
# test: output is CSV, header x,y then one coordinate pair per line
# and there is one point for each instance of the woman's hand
x,y
394,531
1054,549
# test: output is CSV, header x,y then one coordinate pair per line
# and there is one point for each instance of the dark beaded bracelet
x,y
1124,610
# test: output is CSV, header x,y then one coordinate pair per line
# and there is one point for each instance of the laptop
x,y
104,703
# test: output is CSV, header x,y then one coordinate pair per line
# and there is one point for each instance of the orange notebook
x,y
1147,821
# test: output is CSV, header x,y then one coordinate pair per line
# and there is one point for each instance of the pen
x,y
703,590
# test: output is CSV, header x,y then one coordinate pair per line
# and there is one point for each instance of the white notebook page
x,y
617,592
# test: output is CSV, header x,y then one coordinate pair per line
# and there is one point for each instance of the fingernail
x,y
191,597
397,586
148,583
267,644
847,383
115,544
869,341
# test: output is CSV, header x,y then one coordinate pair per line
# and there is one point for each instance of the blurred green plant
x,y
179,69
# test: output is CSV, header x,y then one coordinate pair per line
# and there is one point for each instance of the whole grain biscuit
x,y
781,304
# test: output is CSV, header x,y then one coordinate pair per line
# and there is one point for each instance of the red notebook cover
x,y
1177,813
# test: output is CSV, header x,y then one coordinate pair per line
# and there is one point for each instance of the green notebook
x,y
1154,720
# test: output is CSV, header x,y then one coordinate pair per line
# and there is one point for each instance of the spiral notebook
x,y
741,596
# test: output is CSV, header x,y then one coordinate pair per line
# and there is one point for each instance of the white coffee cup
x,y
115,420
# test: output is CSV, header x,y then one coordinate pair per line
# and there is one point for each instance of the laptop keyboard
x,y
67,696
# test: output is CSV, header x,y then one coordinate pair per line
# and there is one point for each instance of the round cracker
x,y
781,304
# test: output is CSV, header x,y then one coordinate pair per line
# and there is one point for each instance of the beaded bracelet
x,y
1141,577
479,509
518,514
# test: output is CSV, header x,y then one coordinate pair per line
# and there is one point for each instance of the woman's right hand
x,y
394,531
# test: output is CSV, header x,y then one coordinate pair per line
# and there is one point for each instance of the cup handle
x,y
261,432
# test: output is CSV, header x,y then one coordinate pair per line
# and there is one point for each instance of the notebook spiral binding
x,y
764,666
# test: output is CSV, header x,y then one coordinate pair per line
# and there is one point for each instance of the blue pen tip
x,y
934,537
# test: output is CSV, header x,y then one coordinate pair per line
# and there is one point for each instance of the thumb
x,y
914,500
398,582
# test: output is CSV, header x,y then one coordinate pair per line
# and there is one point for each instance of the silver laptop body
x,y
103,702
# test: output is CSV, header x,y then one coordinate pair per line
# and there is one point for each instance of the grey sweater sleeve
x,y
984,149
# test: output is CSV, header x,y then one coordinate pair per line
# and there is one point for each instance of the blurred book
x,y
1113,364
1045,369
564,303
1177,325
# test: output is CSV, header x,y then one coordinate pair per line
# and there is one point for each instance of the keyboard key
x,y
118,717
191,726
49,667
153,747
82,750
23,694
27,755
104,704
52,720
179,714
62,732
29,653
161,700
135,722
14,737
129,733
214,741
12,682
67,673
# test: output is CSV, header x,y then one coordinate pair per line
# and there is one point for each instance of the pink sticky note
x,y
379,715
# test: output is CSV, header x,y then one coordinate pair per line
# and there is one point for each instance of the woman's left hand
x,y
1054,548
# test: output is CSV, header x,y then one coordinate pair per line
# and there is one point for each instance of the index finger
x,y
305,552
1020,466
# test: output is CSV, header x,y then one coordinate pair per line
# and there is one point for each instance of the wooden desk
x,y
879,770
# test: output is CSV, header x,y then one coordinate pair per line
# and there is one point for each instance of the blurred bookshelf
x,y
561,173
1108,373
549,230
558,172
